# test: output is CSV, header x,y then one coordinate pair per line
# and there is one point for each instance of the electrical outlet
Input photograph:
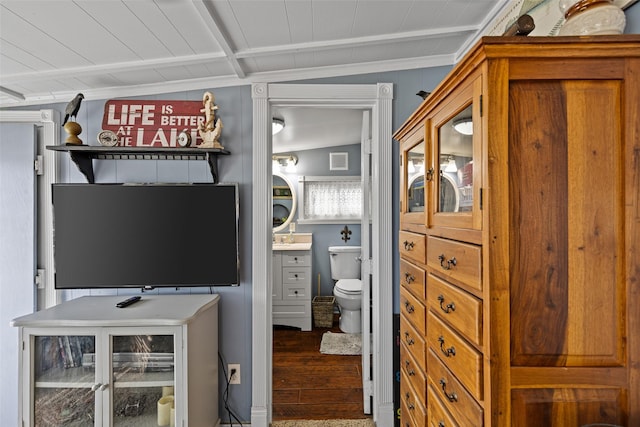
x,y
234,373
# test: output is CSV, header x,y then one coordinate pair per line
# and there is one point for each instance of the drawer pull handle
x,y
409,278
410,308
408,245
451,396
408,339
447,264
447,308
451,351
441,424
412,373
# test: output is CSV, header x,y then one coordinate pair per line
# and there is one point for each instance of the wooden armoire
x,y
520,238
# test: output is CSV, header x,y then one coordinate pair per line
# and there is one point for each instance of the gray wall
x,y
236,113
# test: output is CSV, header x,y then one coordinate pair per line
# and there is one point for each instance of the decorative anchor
x,y
345,233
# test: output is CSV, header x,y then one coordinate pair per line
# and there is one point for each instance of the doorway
x,y
376,98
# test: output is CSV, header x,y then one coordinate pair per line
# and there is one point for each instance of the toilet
x,y
345,271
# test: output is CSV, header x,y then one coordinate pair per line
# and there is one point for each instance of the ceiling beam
x,y
209,18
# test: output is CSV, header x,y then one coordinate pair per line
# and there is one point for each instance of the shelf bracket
x,y
212,159
85,165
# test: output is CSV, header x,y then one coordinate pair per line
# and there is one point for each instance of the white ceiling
x,y
52,49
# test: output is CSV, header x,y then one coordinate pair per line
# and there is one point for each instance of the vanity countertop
x,y
296,246
301,242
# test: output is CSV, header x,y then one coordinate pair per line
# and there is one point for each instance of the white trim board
x,y
377,98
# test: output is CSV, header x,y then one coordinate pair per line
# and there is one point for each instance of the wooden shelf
x,y
83,155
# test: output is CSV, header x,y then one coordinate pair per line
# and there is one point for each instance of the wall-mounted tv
x,y
145,235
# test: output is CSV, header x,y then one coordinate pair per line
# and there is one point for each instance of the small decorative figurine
x,y
71,127
211,129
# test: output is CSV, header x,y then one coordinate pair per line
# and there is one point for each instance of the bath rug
x,y
337,343
324,423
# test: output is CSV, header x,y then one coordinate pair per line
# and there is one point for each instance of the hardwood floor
x,y
310,385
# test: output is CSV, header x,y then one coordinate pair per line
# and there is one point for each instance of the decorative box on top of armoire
x,y
519,237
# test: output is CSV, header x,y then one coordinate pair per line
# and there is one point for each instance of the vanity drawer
x,y
414,342
458,308
296,258
413,373
293,275
412,246
461,405
460,261
412,403
413,310
437,415
462,359
412,278
295,292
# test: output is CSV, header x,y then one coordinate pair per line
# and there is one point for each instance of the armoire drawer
x,y
459,356
414,342
437,415
460,261
413,310
412,403
458,308
417,377
412,246
412,278
457,400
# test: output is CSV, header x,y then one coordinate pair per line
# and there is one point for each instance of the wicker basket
x,y
323,311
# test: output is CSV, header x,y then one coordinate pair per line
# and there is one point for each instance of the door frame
x,y
48,122
378,98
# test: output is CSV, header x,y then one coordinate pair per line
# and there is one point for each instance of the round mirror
x,y
284,202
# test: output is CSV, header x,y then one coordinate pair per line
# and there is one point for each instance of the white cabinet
x,y
292,288
85,362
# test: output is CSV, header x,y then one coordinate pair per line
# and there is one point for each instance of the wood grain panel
x,y
561,255
567,407
455,260
412,246
538,190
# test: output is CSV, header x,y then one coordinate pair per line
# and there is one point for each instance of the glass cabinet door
x,y
143,378
455,178
412,203
64,380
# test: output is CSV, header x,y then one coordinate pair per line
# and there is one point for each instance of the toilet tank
x,y
345,262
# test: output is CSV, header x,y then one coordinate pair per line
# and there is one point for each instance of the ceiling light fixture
x,y
464,126
451,165
289,161
276,125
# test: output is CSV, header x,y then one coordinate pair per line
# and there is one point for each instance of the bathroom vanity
x,y
520,282
291,293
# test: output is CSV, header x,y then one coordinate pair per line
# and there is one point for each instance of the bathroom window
x,y
329,199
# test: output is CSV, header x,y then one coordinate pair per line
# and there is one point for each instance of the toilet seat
x,y
349,286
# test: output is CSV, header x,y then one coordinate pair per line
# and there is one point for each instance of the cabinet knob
x,y
410,308
447,264
447,308
409,278
448,352
452,397
103,387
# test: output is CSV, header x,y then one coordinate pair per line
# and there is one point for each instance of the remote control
x,y
128,302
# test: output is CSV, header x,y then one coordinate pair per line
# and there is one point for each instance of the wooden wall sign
x,y
140,123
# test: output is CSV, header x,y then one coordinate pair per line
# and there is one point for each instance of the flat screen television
x,y
145,235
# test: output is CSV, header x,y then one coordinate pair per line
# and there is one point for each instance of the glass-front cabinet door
x,y
142,372
122,377
64,380
412,203
455,178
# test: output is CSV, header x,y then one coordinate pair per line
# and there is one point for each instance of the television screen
x,y
145,235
